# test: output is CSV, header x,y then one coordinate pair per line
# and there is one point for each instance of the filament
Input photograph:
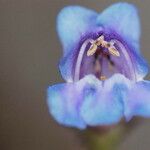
x,y
80,57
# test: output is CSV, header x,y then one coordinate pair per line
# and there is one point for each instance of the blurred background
x,y
29,54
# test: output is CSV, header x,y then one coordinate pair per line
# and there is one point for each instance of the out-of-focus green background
x,y
29,54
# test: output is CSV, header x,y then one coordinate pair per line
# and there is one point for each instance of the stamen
x,y
94,45
97,66
110,66
100,40
127,58
103,43
92,50
79,59
113,51
103,78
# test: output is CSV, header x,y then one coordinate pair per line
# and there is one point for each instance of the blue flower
x,y
102,66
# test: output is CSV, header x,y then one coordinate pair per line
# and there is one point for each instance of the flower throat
x,y
103,59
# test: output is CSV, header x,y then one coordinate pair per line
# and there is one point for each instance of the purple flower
x,y
102,66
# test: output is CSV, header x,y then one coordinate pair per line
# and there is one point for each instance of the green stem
x,y
107,138
104,141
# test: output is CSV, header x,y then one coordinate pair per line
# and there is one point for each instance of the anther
x,y
103,78
101,42
112,50
94,45
105,44
92,50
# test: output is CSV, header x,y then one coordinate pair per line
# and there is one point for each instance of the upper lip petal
x,y
123,18
75,22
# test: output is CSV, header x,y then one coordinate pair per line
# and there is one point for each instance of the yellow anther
x,y
105,44
100,41
113,51
103,78
92,50
94,45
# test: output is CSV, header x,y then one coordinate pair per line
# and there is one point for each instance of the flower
x,y
102,66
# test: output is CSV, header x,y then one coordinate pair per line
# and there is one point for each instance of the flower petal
x,y
64,104
138,102
65,100
66,65
105,107
72,23
88,101
141,67
123,18
91,102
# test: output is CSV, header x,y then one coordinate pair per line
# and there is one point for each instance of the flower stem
x,y
104,141
107,138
